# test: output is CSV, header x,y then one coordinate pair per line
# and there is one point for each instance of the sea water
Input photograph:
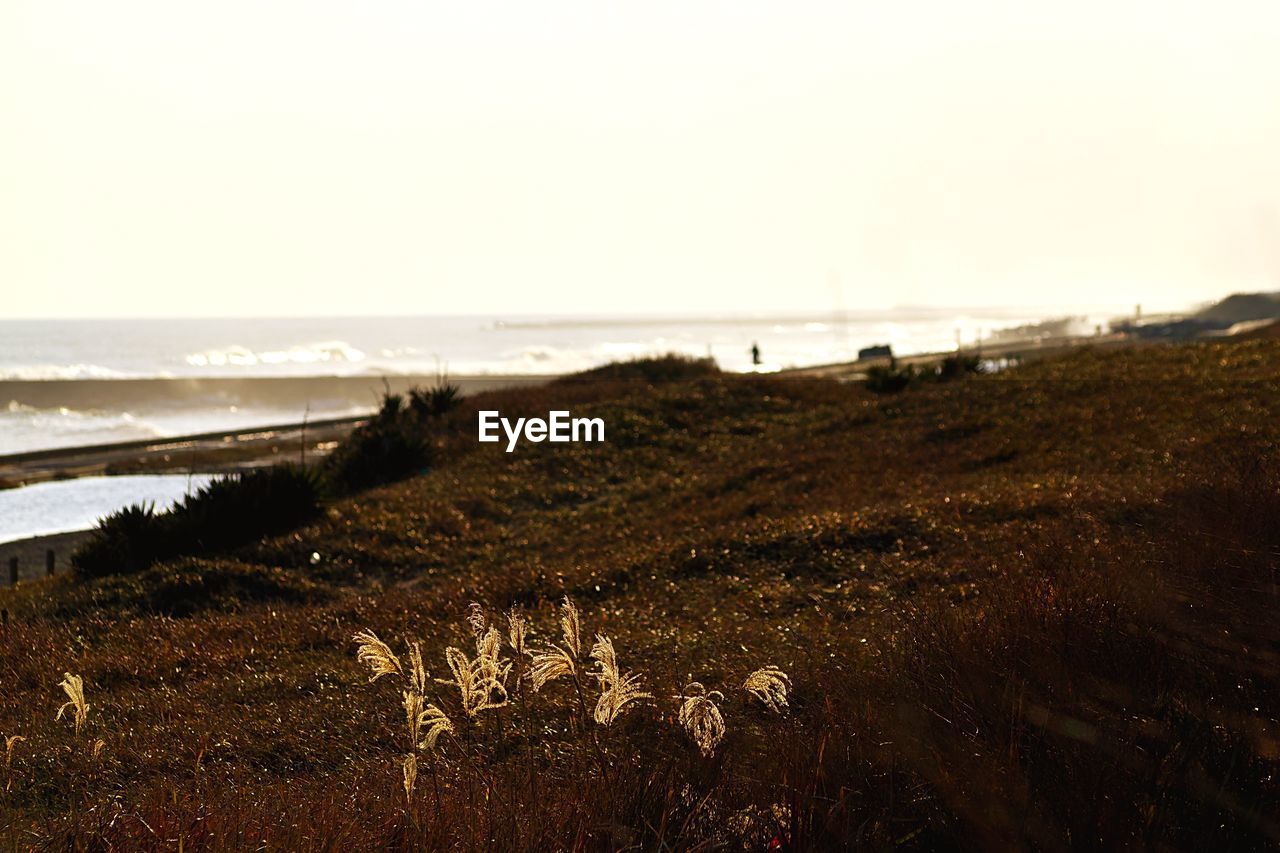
x,y
66,505
61,351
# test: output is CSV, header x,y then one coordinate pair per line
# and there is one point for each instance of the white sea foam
x,y
324,352
47,372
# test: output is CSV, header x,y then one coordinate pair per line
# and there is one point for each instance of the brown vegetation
x,y
1030,610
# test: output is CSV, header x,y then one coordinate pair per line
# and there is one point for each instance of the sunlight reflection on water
x,y
66,505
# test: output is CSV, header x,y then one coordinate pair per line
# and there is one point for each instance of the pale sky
x,y
276,157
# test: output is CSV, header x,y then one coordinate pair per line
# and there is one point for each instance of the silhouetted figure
x,y
755,354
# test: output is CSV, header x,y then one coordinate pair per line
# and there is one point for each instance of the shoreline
x,y
273,392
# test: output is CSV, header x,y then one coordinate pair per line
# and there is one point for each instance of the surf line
x,y
558,426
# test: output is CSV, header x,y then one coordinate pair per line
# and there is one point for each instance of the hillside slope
x,y
1025,609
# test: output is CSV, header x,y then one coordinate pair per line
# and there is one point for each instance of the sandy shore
x,y
295,392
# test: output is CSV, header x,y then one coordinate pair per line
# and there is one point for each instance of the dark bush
x,y
394,444
958,366
376,453
228,512
231,511
127,540
889,379
436,401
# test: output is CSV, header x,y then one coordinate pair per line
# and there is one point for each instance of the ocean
x,y
75,382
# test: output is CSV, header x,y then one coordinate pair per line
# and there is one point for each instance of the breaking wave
x,y
46,372
331,352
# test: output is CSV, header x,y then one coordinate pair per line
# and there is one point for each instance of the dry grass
x,y
73,686
1022,611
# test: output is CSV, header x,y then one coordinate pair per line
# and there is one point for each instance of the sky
x,y
298,157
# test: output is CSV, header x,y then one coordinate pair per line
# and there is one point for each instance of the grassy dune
x,y
1027,610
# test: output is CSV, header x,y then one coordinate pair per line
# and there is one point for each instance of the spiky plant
x,y
700,716
616,690
73,686
770,685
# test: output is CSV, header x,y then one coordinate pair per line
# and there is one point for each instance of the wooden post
x,y
49,561
13,571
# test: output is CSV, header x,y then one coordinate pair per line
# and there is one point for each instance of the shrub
x,y
958,366
889,379
127,540
394,444
228,512
234,510
436,401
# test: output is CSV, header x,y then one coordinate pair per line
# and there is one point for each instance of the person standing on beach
x,y
755,353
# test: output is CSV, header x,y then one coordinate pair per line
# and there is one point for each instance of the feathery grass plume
x,y
410,768
420,715
517,630
616,690
770,685
9,743
489,663
73,686
570,628
413,713
377,655
436,724
417,672
478,681
489,645
700,716
475,618
554,661
550,664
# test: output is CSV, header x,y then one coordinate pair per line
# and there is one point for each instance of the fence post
x,y
49,561
13,571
